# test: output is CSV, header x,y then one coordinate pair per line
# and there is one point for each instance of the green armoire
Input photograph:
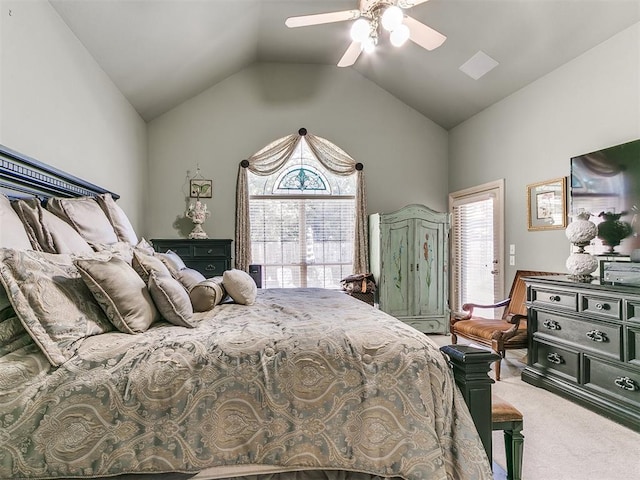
x,y
409,258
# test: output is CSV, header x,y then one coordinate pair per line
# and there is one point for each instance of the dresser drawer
x,y
209,268
210,250
554,298
183,251
602,338
604,307
612,379
556,360
632,308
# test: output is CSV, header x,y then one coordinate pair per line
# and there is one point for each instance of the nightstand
x,y
209,256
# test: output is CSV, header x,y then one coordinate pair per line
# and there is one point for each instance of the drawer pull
x,y
210,251
554,298
551,324
626,383
555,358
597,336
602,306
210,268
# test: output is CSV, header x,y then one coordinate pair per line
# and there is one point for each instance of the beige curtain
x,y
271,159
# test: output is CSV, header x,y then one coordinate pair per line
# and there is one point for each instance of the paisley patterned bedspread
x,y
304,378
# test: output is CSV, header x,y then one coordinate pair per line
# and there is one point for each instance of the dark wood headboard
x,y
22,176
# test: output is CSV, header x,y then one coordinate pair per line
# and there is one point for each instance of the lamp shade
x,y
392,18
399,36
360,30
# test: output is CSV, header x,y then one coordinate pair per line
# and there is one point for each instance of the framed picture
x,y
547,204
200,188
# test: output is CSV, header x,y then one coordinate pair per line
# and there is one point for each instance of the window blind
x,y
474,251
302,241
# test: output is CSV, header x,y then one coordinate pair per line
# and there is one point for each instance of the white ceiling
x,y
162,52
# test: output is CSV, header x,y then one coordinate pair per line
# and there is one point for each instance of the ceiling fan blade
x,y
424,36
410,3
351,55
320,18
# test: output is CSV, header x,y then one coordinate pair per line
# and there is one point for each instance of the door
x,y
396,293
429,288
477,244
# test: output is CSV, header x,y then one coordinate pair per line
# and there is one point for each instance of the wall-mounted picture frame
x,y
200,188
547,204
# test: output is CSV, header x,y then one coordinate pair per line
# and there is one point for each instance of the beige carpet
x,y
563,441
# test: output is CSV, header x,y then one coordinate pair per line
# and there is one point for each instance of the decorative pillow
x,y
240,286
145,247
171,299
118,219
172,260
120,292
12,335
51,301
124,250
207,294
189,278
85,215
144,264
13,233
51,233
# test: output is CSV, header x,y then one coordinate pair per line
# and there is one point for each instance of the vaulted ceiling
x,y
162,52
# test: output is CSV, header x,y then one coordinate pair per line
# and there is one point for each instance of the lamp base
x,y
198,232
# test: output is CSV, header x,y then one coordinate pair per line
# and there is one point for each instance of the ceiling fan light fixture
x,y
400,35
360,30
369,45
392,18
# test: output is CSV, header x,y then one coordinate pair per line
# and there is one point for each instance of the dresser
x,y
408,252
209,256
584,344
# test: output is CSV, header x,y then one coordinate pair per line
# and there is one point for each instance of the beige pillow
x,y
12,231
51,300
145,247
171,299
189,278
144,264
85,215
118,219
124,250
120,292
240,286
207,294
52,234
172,260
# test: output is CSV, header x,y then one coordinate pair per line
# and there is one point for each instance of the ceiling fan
x,y
373,16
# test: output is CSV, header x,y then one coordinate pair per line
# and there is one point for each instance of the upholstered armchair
x,y
500,334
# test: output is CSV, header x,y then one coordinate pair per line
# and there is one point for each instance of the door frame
x,y
497,187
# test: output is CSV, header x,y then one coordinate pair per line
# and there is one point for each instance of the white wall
x,y
59,107
590,103
404,153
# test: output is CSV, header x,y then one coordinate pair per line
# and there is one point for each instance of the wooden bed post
x,y
470,367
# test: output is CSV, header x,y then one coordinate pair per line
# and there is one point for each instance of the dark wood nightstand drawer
x,y
210,268
555,298
210,250
598,337
612,379
556,360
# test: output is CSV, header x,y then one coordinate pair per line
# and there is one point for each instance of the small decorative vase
x,y
612,230
198,213
580,232
581,266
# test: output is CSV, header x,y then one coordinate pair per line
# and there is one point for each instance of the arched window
x,y
302,222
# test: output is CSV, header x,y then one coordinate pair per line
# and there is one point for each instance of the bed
x,y
300,380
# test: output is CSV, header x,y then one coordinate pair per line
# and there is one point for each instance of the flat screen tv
x,y
608,180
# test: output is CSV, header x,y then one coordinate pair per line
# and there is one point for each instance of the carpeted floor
x,y
563,441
